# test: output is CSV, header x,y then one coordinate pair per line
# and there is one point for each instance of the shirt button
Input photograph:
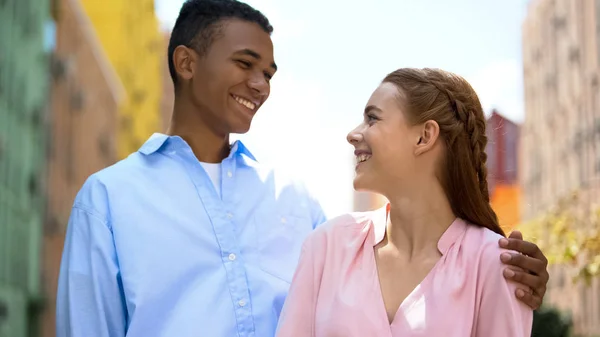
x,y
229,174
242,303
229,215
283,220
231,257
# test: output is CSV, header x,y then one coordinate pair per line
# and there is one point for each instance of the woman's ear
x,y
428,134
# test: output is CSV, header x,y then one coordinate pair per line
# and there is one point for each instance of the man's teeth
x,y
363,157
245,103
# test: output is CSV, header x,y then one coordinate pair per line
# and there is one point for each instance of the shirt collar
x,y
380,223
450,236
239,148
158,140
153,144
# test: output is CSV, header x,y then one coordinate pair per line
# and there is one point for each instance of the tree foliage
x,y
569,234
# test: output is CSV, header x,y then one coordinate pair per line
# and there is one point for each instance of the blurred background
x,y
83,83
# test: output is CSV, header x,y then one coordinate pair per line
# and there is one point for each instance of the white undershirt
x,y
214,172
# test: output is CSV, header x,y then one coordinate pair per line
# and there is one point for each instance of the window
x,y
70,163
76,101
49,36
33,184
52,225
104,146
595,140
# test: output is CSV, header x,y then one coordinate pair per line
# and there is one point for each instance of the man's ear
x,y
184,60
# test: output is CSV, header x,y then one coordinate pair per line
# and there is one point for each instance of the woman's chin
x,y
361,184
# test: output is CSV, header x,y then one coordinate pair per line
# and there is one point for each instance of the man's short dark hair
x,y
199,24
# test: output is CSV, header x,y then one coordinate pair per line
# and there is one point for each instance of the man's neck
x,y
207,146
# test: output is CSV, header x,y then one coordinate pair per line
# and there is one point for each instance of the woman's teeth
x,y
363,157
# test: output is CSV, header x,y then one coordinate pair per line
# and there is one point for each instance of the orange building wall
x,y
506,201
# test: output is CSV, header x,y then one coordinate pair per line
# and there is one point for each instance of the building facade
x,y
86,94
560,138
23,96
168,93
128,31
503,154
502,150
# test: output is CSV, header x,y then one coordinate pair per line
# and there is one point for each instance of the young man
x,y
191,236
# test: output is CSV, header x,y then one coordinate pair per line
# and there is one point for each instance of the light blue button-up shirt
x,y
151,249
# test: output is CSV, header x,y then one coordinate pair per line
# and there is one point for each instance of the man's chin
x,y
240,129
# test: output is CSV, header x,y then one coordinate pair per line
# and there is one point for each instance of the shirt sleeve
x,y
318,215
298,315
90,301
500,313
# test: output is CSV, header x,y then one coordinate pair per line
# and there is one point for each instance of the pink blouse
x,y
335,291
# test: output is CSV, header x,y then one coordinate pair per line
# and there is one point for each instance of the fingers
x,y
516,235
524,247
527,263
532,300
531,274
525,279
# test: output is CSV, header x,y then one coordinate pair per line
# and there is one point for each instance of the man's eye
x,y
244,64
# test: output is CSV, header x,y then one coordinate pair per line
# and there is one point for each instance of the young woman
x,y
427,263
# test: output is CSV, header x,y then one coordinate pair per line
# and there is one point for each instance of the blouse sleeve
x,y
500,313
297,318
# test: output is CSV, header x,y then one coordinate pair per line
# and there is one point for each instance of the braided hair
x,y
450,101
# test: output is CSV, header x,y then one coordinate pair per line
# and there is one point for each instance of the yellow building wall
x,y
129,33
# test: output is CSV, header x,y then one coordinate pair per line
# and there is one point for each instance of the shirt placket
x,y
222,219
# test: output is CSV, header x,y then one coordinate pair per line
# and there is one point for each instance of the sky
x,y
332,54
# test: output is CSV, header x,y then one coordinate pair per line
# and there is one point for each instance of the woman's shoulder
x,y
482,239
342,228
482,246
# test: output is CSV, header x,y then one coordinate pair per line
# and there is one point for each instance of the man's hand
x,y
535,275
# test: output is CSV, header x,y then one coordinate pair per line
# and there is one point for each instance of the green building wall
x,y
23,106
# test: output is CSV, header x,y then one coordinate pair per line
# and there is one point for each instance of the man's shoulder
x,y
283,179
279,172
97,186
286,189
